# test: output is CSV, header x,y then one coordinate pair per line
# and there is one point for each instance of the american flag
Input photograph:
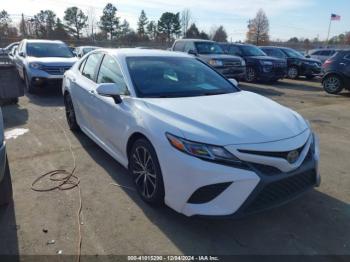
x,y
335,17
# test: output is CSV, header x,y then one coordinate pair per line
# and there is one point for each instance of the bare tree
x,y
185,21
258,29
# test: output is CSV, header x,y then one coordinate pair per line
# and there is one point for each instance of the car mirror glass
x,y
114,90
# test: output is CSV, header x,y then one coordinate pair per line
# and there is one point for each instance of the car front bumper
x,y
232,72
232,191
271,73
40,77
311,70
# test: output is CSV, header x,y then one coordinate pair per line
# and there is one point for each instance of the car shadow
x,y
299,86
315,223
260,89
8,232
14,115
47,97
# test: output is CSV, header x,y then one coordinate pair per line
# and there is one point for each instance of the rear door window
x,y
91,65
179,46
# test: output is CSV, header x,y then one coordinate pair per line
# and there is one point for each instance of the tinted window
x,y
48,50
179,46
292,53
110,71
208,48
175,77
234,50
250,50
90,65
275,52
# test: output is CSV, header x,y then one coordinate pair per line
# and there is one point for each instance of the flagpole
x,y
329,30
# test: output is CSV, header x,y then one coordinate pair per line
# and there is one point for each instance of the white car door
x,y
111,121
83,91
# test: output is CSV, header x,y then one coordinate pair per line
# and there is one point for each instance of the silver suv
x,y
41,62
211,53
5,176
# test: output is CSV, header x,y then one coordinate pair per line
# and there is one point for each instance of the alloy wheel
x,y
332,84
144,172
292,72
250,74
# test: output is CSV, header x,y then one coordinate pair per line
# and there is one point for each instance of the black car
x,y
211,53
336,72
259,66
298,65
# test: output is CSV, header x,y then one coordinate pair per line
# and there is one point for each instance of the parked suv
x,y
43,61
336,72
211,53
5,176
259,65
321,54
298,65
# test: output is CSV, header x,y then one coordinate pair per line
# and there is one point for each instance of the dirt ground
x,y
116,221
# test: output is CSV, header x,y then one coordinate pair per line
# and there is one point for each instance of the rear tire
x,y
293,72
70,113
145,170
333,84
6,193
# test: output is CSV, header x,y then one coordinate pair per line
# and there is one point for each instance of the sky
x,y
288,18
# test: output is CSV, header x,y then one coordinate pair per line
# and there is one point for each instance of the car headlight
x,y
35,65
215,62
267,63
203,151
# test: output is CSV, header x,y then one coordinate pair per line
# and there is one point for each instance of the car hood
x,y
236,118
310,60
52,60
218,56
265,58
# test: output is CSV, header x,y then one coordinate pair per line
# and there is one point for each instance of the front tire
x,y
145,170
6,187
70,113
332,84
293,72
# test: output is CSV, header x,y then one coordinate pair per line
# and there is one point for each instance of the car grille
x,y
56,70
230,63
282,190
279,65
271,154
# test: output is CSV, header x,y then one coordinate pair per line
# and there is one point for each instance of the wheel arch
x,y
132,139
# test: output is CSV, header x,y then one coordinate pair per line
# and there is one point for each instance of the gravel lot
x,y
116,221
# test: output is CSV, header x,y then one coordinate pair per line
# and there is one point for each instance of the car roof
x,y
236,44
43,41
194,40
136,52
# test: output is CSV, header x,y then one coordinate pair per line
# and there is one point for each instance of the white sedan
x,y
190,138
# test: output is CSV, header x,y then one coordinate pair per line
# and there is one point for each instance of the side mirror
x,y
111,90
192,52
233,81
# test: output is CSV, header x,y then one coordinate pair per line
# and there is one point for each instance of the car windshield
x,y
292,53
248,50
175,77
48,50
206,48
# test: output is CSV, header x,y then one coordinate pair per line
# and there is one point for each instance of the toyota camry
x,y
190,137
